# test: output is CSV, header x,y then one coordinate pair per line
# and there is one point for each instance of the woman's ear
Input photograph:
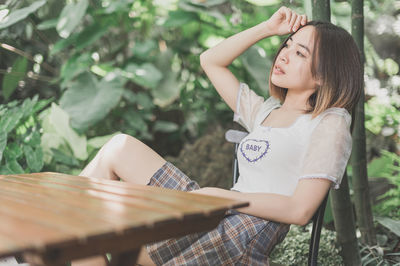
x,y
318,82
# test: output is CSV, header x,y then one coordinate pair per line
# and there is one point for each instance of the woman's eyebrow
x,y
301,45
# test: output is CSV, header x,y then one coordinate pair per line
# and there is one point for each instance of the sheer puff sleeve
x,y
329,148
248,105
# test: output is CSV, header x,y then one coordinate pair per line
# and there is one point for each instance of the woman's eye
x,y
299,54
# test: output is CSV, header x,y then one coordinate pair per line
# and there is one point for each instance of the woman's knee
x,y
117,145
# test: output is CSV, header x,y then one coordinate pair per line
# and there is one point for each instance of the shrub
x,y
294,249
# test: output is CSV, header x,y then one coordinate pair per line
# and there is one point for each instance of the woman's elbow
x,y
302,217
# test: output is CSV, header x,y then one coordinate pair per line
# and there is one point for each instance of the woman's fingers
x,y
288,14
293,21
303,20
287,20
297,23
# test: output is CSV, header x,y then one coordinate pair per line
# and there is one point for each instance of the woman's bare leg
x,y
91,261
143,259
126,158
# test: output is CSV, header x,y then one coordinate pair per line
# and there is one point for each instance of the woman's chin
x,y
277,82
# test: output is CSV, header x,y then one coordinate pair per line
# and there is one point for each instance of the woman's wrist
x,y
267,29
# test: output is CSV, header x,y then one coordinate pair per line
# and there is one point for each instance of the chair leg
x,y
127,258
316,233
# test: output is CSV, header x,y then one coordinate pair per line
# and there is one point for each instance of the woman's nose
x,y
283,57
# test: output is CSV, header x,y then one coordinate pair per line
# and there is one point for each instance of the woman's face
x,y
292,68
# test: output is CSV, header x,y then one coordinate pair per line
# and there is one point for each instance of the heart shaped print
x,y
253,149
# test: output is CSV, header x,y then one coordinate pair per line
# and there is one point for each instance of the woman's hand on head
x,y
285,21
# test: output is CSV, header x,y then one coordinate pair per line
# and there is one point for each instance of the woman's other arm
x,y
215,61
296,209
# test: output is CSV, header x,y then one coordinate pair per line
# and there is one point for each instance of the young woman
x,y
298,146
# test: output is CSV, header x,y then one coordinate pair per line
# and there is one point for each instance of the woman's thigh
x,y
134,161
124,157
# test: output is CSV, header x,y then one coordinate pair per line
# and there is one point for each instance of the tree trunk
x,y
321,10
340,199
344,223
362,199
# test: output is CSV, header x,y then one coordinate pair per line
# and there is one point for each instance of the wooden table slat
x,y
74,223
9,247
25,233
113,213
139,190
85,194
180,206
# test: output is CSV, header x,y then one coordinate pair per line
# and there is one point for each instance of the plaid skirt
x,y
239,239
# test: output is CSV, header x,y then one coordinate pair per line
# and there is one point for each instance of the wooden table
x,y
52,218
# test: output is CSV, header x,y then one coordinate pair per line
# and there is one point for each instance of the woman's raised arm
x,y
215,61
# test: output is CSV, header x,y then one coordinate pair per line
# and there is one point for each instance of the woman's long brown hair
x,y
336,64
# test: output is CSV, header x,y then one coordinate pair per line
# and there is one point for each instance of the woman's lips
x,y
278,71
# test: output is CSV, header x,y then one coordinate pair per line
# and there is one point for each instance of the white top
x,y
273,160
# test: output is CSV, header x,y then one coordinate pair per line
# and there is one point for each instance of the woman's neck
x,y
296,102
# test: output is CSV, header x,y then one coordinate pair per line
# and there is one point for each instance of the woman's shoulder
x,y
336,113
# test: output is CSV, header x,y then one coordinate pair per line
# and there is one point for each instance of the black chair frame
x,y
235,136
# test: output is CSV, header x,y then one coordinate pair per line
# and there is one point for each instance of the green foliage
x,y
87,100
20,14
390,224
64,150
150,49
17,73
387,166
294,248
375,255
71,17
20,149
380,115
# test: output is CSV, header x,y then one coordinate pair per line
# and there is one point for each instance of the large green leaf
x,y
142,50
179,18
13,167
117,6
49,141
169,87
380,166
48,24
135,120
71,17
146,75
62,44
10,80
390,224
34,158
10,119
257,64
264,2
75,66
208,3
144,100
91,34
87,100
20,14
165,126
13,151
28,106
98,142
57,131
3,143
33,139
205,7
63,158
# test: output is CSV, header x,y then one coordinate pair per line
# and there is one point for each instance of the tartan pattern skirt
x,y
239,239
